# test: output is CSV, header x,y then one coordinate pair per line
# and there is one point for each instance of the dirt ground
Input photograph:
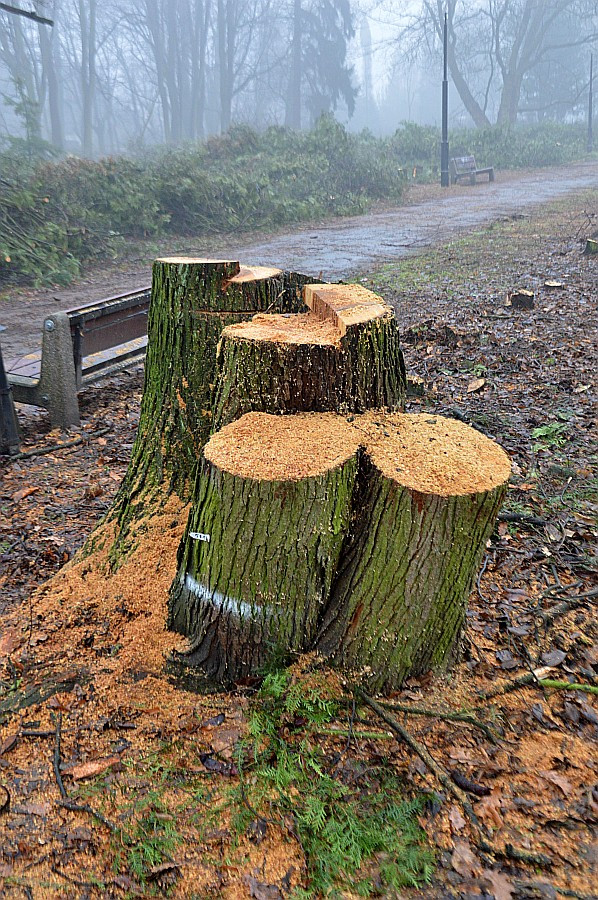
x,y
335,249
83,691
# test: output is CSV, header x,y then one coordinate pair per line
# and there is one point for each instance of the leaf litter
x,y
154,760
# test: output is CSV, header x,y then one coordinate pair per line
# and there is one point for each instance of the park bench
x,y
78,346
465,167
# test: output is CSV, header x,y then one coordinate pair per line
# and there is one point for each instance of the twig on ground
x,y
468,718
522,518
567,686
559,609
481,840
65,802
507,686
41,451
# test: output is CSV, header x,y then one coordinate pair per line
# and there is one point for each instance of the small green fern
x,y
367,840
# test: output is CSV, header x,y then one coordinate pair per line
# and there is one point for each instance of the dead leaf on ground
x,y
463,860
93,767
489,809
476,384
24,492
456,819
499,884
259,890
559,780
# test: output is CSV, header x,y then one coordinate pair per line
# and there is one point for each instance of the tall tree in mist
x,y
495,45
319,76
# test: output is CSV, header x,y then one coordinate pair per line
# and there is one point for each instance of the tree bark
x,y
233,597
192,301
357,537
305,363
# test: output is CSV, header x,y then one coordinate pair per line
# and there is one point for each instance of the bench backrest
x,y
108,323
463,165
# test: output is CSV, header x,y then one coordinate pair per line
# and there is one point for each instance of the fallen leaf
x,y
259,890
476,384
33,809
24,492
489,809
9,743
553,657
92,768
559,780
456,819
499,884
463,861
4,799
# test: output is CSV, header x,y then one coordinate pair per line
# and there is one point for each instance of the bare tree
x,y
495,44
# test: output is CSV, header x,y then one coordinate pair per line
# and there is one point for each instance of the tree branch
x,y
26,14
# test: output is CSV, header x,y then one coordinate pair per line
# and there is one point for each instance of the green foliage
x,y
547,436
367,839
56,216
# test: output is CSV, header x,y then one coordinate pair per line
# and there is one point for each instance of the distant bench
x,y
79,345
465,167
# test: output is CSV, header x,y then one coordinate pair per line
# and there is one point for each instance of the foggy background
x,y
112,77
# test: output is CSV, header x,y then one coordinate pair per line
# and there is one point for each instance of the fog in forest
x,y
93,78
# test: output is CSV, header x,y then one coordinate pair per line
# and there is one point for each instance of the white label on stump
x,y
199,536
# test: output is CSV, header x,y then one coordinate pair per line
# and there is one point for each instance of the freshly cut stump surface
x,y
342,356
359,537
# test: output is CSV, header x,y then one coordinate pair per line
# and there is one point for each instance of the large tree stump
x,y
272,507
429,494
343,356
192,301
357,536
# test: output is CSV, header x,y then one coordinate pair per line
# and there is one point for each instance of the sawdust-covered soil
x,y
110,772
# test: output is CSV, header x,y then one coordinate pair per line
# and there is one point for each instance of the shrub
x,y
54,216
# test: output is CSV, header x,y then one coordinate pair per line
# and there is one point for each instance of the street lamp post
x,y
591,107
444,144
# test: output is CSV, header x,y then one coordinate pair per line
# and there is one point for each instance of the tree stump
x,y
272,507
343,356
358,537
192,301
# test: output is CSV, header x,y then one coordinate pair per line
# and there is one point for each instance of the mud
x,y
331,250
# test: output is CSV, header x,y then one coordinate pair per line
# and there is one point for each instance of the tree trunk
x,y
261,547
192,301
355,537
313,362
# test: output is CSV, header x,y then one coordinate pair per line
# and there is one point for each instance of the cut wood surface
x,y
357,536
342,356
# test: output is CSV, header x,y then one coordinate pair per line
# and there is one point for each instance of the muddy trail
x,y
333,250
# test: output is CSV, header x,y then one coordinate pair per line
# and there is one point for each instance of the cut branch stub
x,y
342,356
359,538
272,507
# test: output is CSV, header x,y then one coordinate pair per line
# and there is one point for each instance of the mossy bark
x,y
367,570
364,370
255,567
192,301
398,603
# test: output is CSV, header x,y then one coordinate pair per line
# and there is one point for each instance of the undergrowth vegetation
x,y
57,215
355,827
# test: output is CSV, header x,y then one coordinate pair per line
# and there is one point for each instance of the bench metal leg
x,y
9,432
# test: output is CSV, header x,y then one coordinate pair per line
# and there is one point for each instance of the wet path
x,y
332,251
361,243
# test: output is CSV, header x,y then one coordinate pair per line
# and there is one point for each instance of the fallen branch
x,y
65,801
468,718
480,836
522,518
559,609
507,686
567,686
41,451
